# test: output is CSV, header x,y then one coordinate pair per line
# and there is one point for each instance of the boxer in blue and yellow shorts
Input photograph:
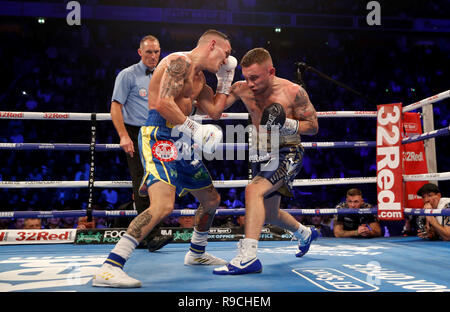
x,y
170,166
168,157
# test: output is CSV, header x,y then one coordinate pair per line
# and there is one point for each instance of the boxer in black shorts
x,y
289,163
280,110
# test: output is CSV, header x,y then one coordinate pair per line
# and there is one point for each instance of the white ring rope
x,y
427,101
225,116
107,116
221,184
217,183
53,116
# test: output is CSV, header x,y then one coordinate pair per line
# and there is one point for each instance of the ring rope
x,y
116,147
225,116
217,183
227,146
107,116
221,184
219,212
430,100
427,135
87,147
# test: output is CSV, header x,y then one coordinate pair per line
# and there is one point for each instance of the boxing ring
x,y
395,264
400,264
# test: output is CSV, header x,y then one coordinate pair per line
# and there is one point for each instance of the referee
x,y
129,111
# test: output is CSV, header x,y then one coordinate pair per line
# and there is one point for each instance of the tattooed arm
x,y
214,105
305,112
171,83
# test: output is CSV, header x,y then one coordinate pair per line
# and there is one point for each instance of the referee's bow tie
x,y
149,71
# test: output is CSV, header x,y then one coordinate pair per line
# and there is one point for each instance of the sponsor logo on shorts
x,y
165,151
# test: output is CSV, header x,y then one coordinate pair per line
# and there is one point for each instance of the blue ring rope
x,y
240,146
220,212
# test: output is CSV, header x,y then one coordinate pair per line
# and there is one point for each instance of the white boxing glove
x,y
225,75
207,137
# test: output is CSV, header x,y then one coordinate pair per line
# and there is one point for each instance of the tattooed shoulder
x,y
175,75
178,67
305,111
301,96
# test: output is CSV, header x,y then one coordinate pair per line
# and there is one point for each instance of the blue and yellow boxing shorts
x,y
168,157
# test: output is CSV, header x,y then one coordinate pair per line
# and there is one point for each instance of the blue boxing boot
x,y
305,242
245,262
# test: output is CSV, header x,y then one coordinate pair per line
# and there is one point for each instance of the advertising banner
x,y
389,164
43,236
414,160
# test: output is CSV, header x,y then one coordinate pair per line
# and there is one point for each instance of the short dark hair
x,y
214,33
428,188
354,192
255,56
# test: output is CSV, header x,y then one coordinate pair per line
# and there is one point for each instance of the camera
x,y
421,224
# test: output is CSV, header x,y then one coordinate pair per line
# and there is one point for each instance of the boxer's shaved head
x,y
215,47
211,33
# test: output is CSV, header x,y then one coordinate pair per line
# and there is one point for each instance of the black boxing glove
x,y
274,115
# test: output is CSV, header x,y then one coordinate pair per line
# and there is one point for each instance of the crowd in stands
x,y
57,68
